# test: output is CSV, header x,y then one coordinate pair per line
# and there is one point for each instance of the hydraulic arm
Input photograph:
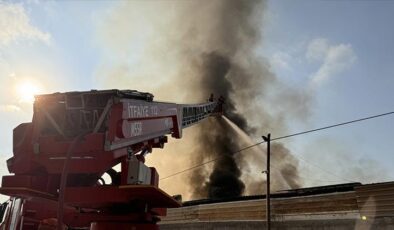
x,y
76,137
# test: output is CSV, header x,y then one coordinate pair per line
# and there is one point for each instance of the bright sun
x,y
26,91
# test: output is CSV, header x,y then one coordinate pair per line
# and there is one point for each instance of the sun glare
x,y
26,91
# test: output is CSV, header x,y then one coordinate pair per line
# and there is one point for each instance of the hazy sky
x,y
340,52
344,51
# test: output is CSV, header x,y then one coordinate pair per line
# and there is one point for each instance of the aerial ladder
x,y
59,160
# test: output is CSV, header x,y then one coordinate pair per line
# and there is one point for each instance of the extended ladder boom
x,y
74,138
118,118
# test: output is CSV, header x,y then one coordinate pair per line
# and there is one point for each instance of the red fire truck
x,y
59,160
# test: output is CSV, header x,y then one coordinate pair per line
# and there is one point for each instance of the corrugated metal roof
x,y
332,203
335,201
281,194
376,200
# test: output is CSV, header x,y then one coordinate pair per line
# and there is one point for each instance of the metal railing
x,y
195,113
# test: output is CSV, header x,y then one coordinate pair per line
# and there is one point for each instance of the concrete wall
x,y
327,206
343,224
332,211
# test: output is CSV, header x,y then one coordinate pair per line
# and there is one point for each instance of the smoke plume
x,y
186,50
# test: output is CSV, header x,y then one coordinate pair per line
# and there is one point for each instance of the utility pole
x,y
267,197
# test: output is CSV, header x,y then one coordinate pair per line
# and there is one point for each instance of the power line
x,y
191,168
322,169
326,171
283,137
332,126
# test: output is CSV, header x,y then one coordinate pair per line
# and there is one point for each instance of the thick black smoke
x,y
182,51
216,137
236,33
232,70
196,48
214,78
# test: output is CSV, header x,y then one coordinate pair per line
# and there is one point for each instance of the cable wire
x,y
326,171
283,137
322,169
